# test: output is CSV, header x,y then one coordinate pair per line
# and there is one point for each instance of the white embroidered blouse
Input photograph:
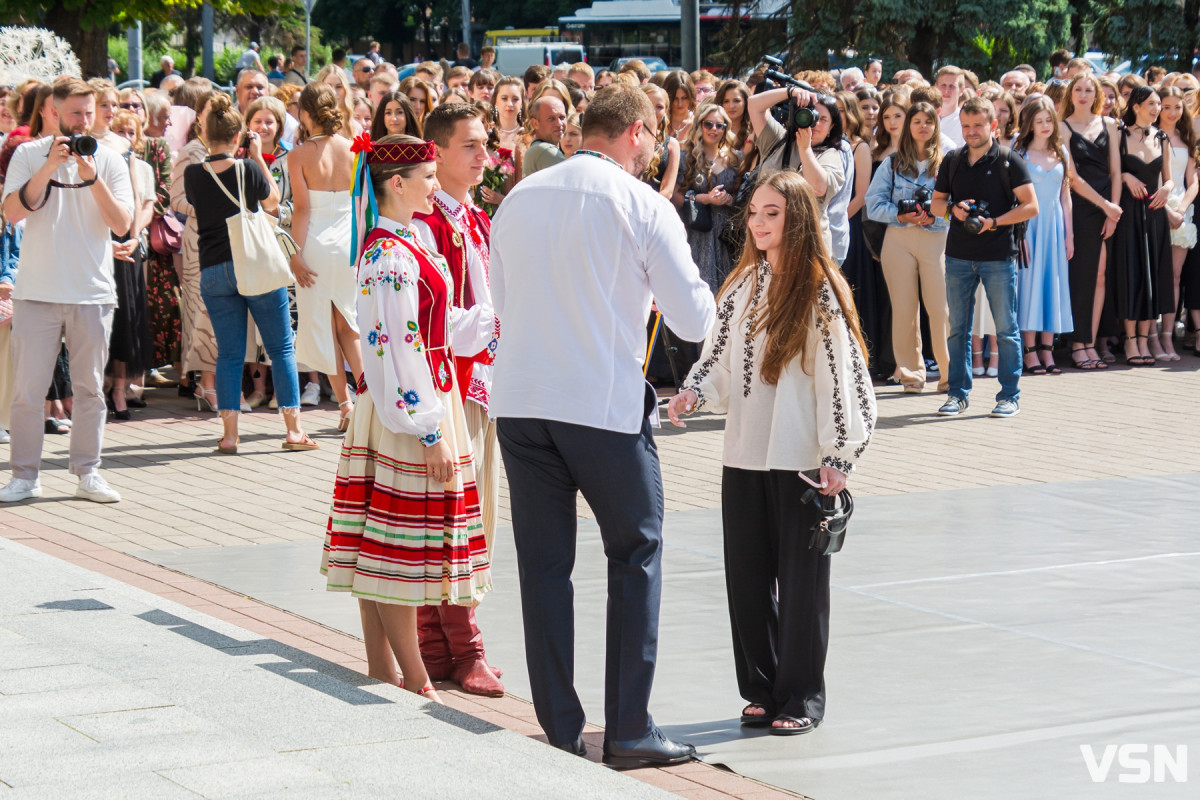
x,y
394,362
820,417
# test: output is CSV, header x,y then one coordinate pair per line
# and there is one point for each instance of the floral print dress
x,y
162,281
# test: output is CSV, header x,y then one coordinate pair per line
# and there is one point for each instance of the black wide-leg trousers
x,y
778,591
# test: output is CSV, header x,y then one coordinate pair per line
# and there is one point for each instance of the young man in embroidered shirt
x,y
451,643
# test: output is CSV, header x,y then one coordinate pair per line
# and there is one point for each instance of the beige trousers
x,y
37,333
487,465
914,265
6,375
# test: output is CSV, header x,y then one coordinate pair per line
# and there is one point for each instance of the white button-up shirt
x,y
578,252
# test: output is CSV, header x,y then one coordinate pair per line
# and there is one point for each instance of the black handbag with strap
x,y
696,216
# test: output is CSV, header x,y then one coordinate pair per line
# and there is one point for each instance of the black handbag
x,y
829,533
696,216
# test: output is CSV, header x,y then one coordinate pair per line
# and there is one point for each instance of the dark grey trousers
x,y
548,463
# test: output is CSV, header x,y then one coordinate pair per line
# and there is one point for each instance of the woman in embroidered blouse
x,y
786,363
405,529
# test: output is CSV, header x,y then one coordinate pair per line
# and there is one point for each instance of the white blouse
x,y
820,413
394,361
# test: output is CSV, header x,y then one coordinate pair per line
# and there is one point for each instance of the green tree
x,y
86,24
1162,30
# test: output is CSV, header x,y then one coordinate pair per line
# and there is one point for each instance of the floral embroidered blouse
x,y
403,316
821,413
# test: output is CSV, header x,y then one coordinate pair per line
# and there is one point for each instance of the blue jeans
x,y
227,309
999,280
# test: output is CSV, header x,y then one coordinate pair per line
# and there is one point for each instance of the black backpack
x,y
956,157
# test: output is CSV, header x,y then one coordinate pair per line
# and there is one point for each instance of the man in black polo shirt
x,y
978,173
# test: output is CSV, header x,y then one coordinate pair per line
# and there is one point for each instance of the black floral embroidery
x,y
764,273
839,413
720,340
860,387
839,464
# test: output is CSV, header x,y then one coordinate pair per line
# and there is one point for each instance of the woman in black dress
x,y
1095,210
1143,280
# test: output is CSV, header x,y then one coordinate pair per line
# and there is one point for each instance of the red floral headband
x,y
393,152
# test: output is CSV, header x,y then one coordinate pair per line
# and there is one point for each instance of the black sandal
x,y
806,725
756,720
1051,369
1085,364
1037,369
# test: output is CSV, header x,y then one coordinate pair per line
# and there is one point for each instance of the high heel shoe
x,y
202,400
347,408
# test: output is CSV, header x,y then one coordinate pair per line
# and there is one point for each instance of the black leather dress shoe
x,y
653,749
575,748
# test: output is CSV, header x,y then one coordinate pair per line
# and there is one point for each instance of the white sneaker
x,y
245,407
311,396
92,487
20,489
4,437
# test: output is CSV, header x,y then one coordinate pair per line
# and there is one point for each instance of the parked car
x,y
514,59
653,63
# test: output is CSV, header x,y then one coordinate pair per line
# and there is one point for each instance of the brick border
x,y
695,780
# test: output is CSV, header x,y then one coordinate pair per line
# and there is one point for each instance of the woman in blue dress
x,y
1043,293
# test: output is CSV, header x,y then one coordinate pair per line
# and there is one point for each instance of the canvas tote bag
x,y
258,263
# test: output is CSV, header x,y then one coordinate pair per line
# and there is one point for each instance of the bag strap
x,y
235,200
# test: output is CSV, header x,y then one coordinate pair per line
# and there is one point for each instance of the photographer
x,y
914,247
73,195
813,151
991,192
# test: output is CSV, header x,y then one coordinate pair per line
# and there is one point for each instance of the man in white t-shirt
x,y
71,205
950,81
250,59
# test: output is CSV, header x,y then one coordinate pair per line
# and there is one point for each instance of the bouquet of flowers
x,y
497,175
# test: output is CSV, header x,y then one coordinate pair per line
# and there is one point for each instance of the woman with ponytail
x,y
211,189
786,363
405,529
320,172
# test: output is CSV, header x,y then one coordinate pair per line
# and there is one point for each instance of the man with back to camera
x,y
549,124
71,205
983,171
573,411
451,642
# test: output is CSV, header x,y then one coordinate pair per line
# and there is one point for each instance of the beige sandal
x,y
304,444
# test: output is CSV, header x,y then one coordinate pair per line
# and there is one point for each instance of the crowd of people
x,y
870,232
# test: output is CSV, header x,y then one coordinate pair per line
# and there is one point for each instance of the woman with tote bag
x,y
219,189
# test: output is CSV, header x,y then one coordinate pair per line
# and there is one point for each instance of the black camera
x,y
920,201
975,214
789,114
81,144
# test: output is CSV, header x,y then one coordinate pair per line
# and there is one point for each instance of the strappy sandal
x,y
804,725
1036,369
756,720
1085,364
344,419
1051,368
226,449
1139,360
304,444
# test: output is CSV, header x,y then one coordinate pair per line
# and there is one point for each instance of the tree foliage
x,y
1157,30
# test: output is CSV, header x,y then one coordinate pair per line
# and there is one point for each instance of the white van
x,y
514,59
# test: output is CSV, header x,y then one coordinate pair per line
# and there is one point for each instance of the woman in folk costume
x,y
404,530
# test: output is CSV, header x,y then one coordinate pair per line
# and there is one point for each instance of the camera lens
x,y
83,145
805,117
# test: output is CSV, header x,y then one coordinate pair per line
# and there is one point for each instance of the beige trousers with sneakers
x,y
914,265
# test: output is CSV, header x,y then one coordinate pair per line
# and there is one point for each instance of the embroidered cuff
x,y
699,396
432,439
840,464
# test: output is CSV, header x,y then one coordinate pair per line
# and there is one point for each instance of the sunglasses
x,y
132,106
709,125
367,68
